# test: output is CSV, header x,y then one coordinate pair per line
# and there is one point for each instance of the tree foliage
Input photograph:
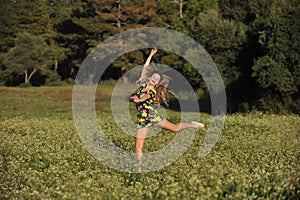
x,y
254,43
29,56
276,69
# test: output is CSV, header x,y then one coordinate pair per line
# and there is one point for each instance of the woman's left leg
x,y
177,127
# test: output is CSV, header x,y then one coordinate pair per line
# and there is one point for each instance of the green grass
x,y
42,157
35,102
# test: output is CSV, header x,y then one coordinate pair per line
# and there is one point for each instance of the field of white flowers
x,y
42,157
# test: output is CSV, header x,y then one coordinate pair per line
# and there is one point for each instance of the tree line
x,y
254,43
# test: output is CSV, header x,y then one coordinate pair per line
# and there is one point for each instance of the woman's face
x,y
154,79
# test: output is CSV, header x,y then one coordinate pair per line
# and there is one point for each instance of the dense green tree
x,y
26,59
72,37
223,39
125,13
235,10
255,43
32,17
192,8
276,70
167,12
8,21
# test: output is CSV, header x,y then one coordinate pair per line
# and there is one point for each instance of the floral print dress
x,y
146,115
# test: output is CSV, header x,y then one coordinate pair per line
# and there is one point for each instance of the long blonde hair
x,y
163,93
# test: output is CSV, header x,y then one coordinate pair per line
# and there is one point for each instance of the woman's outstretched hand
x,y
153,51
135,99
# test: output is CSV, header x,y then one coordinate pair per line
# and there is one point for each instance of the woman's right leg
x,y
177,127
141,134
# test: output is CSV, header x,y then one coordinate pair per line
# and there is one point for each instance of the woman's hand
x,y
153,51
147,63
135,99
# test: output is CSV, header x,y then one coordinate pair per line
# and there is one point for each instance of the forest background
x,y
254,43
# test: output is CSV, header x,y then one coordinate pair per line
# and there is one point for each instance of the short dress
x,y
146,114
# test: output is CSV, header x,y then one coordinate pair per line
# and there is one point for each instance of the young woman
x,y
153,91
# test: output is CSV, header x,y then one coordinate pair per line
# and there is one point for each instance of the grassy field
x,y
42,157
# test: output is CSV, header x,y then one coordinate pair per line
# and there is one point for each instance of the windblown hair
x,y
163,93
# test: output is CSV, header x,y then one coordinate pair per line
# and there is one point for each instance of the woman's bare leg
x,y
177,127
141,134
140,139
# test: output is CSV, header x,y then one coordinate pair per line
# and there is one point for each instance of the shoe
x,y
200,125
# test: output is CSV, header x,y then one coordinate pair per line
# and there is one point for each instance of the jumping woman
x,y
153,91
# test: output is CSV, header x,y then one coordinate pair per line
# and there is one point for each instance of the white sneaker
x,y
200,125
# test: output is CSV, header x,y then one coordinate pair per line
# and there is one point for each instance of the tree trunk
x,y
55,64
27,78
119,14
180,8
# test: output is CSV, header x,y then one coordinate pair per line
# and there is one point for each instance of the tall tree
x,y
74,35
276,70
125,13
167,12
223,39
8,22
32,17
235,10
26,59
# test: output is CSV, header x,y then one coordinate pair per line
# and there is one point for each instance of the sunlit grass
x,y
42,157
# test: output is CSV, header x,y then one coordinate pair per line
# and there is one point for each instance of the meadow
x,y
42,156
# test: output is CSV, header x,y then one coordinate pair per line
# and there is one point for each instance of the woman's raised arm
x,y
147,68
153,51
